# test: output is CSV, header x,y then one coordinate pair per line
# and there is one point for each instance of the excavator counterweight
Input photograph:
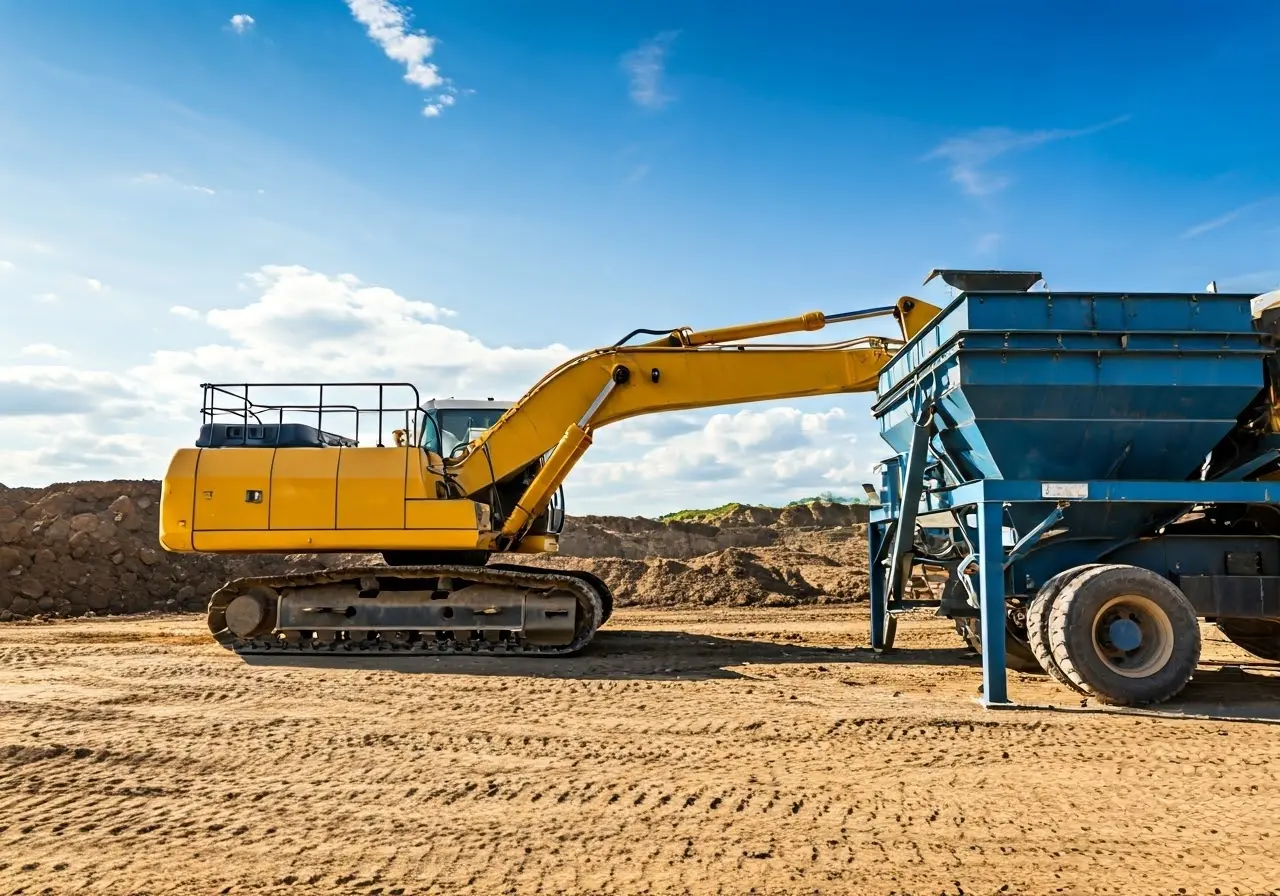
x,y
460,482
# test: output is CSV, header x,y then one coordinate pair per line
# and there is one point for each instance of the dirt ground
x,y
742,750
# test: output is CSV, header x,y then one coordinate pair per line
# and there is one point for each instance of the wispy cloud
x,y
646,66
94,284
185,312
638,173
388,27
988,242
47,297
968,154
25,246
1222,220
166,180
7,265
43,350
241,22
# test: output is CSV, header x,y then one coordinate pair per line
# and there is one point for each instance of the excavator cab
x,y
450,424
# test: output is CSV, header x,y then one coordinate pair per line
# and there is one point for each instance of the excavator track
x,y
500,610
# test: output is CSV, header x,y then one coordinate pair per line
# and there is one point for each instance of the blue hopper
x,y
1090,473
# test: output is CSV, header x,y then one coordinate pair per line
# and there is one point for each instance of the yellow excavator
x,y
459,482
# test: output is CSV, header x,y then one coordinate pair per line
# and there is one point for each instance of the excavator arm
x,y
685,369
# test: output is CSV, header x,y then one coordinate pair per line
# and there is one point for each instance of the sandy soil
x,y
716,751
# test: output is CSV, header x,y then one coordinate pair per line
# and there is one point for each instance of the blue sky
x,y
180,192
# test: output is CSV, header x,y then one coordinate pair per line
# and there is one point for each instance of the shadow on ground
x,y
1218,692
628,654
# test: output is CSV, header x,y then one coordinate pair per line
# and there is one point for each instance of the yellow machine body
x,y
313,500
437,515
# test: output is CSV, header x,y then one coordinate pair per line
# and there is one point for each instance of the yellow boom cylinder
x,y
812,320
573,444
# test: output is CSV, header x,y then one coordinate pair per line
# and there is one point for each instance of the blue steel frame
x,y
989,497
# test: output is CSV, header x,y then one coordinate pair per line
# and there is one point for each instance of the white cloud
x,y
58,390
43,350
241,22
7,265
166,180
646,66
303,326
968,154
431,110
25,245
47,297
770,452
388,27
94,284
296,325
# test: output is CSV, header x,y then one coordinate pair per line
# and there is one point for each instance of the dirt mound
x,y
90,548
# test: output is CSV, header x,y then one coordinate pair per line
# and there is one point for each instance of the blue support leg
x,y
879,595
904,533
995,689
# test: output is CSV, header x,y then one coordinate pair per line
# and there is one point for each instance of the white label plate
x,y
1064,489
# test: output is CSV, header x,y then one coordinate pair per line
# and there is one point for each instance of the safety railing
x,y
340,413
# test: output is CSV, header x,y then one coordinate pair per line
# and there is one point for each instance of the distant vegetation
x,y
680,515
725,509
829,498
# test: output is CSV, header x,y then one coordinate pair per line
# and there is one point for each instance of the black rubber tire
x,y
1017,656
1038,623
1071,635
1261,637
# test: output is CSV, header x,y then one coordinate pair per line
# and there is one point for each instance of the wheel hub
x,y
1125,635
1132,635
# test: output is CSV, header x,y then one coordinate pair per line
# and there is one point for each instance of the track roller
x,y
1124,635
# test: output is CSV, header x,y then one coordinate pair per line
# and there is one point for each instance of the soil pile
x,y
808,553
90,548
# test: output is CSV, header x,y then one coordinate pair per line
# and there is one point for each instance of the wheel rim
x,y
1132,635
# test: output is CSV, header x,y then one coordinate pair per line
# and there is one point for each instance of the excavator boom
x,y
437,517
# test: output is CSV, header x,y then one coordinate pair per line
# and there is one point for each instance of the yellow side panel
x,y
418,482
304,488
233,488
177,500
460,513
371,488
281,541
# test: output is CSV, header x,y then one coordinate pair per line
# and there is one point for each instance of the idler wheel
x,y
252,614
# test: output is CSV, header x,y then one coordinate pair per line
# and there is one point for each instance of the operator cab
x,y
449,424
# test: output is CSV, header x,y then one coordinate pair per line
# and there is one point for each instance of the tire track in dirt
x,y
167,767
